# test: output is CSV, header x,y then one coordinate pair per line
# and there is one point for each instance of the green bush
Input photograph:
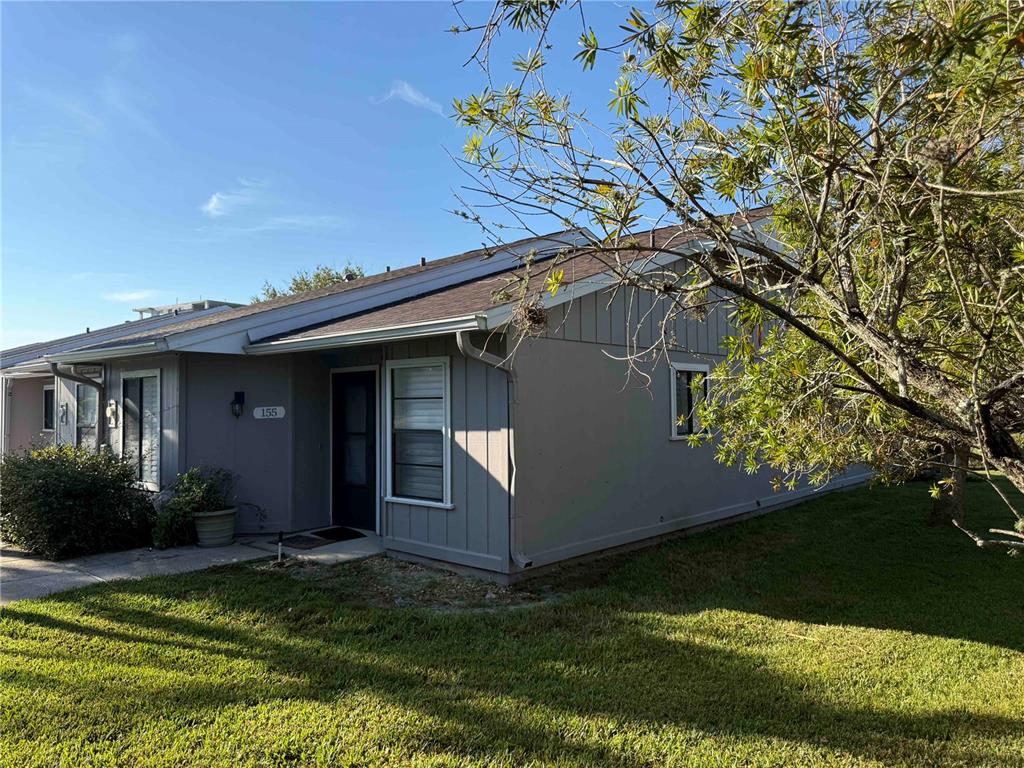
x,y
62,502
198,490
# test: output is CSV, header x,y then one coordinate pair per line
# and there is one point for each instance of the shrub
x,y
62,502
198,490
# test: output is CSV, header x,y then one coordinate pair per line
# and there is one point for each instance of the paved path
x,y
24,576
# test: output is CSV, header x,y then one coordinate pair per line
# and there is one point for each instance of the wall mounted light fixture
x,y
237,403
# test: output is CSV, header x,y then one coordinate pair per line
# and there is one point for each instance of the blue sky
x,y
161,152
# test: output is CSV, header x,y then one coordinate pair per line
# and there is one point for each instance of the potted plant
x,y
203,498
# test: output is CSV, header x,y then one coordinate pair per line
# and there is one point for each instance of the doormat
x,y
340,533
302,541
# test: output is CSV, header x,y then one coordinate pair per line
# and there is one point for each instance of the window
x,y
418,447
87,408
689,389
48,408
140,424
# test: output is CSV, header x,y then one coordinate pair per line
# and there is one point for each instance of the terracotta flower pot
x,y
216,529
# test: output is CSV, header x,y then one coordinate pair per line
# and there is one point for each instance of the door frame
x,y
378,496
119,429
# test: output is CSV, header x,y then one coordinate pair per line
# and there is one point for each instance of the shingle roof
x,y
111,334
331,290
478,295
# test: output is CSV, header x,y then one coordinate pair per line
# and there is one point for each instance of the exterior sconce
x,y
237,403
63,413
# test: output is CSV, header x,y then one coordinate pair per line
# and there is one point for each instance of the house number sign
x,y
269,412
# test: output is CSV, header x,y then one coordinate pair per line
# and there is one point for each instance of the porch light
x,y
237,403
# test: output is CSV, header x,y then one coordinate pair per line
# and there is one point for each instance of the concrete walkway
x,y
24,576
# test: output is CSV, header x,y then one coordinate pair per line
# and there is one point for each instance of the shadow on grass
x,y
514,682
862,558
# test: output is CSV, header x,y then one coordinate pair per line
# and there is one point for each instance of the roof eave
x,y
370,336
108,353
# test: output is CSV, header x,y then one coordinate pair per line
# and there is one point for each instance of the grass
x,y
843,632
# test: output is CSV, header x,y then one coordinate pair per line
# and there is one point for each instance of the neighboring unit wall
x,y
596,465
475,531
23,414
258,451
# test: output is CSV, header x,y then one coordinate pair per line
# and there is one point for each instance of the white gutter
x,y
107,353
466,348
373,335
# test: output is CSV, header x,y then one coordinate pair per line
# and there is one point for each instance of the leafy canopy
x,y
875,154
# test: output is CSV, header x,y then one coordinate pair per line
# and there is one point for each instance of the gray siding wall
x,y
475,531
632,318
24,414
309,414
259,451
596,467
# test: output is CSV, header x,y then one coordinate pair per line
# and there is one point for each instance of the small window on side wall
x,y
49,405
689,389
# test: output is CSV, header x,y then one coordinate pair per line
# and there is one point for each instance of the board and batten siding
x,y
475,531
258,451
634,316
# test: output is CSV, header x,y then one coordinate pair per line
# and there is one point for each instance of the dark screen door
x,y
354,449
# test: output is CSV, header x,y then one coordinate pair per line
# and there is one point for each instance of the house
x,y
398,403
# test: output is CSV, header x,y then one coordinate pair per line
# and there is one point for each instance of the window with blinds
x,y
689,388
140,425
418,419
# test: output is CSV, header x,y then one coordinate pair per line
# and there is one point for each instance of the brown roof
x,y
478,295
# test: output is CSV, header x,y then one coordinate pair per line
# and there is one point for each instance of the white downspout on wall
x,y
466,348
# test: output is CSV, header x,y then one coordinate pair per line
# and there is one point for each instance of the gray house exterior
x,y
399,404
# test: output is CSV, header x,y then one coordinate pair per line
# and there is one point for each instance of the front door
x,y
354,449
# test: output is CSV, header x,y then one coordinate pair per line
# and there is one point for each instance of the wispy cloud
x,y
248,192
116,96
69,106
403,91
125,297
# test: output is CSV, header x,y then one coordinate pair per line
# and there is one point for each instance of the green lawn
x,y
842,632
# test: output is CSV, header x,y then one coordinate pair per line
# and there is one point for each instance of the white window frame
x,y
139,374
50,388
446,437
674,368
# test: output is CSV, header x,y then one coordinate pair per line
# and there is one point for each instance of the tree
x,y
879,297
322,276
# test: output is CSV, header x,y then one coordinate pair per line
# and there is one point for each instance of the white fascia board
x,y
499,316
371,336
107,353
102,335
274,322
39,371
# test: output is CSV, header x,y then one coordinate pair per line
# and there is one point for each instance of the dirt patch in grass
x,y
385,582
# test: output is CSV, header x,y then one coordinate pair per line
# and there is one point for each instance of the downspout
x,y
101,424
466,348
